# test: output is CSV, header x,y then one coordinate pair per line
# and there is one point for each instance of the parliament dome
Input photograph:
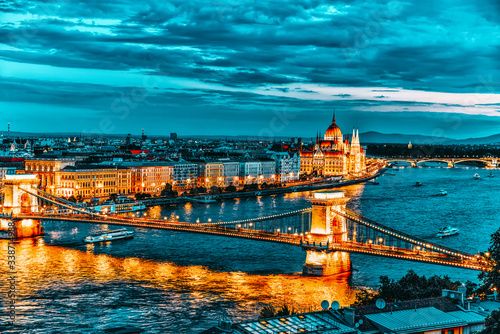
x,y
333,132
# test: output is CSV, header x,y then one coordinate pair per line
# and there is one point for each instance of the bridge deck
x,y
467,262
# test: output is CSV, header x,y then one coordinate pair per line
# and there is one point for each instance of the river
x,y
174,282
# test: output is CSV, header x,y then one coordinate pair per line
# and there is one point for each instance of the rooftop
x,y
298,323
411,321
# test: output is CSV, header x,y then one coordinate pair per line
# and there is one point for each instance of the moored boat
x,y
443,192
418,184
476,176
206,199
109,235
447,231
121,206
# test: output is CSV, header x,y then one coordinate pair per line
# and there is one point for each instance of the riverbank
x,y
266,192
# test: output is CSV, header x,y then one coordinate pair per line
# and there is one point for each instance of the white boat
x,y
443,192
109,235
476,176
121,206
418,184
206,199
491,174
447,231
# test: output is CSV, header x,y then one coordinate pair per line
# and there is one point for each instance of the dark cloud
x,y
352,43
442,46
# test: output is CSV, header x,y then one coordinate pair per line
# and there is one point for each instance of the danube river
x,y
171,282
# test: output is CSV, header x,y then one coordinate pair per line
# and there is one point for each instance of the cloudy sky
x,y
248,67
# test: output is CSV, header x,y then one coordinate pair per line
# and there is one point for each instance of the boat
x,y
447,231
418,184
109,235
122,205
206,199
373,182
491,174
476,176
443,193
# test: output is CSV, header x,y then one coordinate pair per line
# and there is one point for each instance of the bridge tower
x,y
327,229
17,202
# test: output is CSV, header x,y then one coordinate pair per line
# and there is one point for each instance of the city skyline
x,y
251,69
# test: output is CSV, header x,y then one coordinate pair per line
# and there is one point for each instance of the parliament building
x,y
332,155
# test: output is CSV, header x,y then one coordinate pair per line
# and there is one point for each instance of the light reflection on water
x,y
174,282
51,279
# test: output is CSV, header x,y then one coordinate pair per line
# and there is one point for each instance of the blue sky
x,y
247,67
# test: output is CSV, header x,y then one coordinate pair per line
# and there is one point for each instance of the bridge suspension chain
x,y
57,201
401,235
277,216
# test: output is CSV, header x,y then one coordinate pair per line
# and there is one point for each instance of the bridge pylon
x,y
327,229
16,201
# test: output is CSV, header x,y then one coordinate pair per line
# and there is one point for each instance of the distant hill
x,y
484,140
397,138
366,137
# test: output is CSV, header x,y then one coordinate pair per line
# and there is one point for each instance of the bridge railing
x,y
401,235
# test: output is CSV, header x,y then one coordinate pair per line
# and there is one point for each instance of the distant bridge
x,y
451,162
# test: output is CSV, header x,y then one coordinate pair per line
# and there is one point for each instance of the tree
x,y
491,278
113,197
409,287
215,190
269,311
230,189
169,191
72,199
140,196
492,324
264,186
198,190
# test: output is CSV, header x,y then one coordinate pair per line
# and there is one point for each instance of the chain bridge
x,y
328,231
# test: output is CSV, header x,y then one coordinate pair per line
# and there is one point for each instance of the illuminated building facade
x,y
211,173
45,169
185,175
332,155
149,177
231,171
92,181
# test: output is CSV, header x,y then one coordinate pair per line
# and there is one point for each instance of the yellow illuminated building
x,y
92,181
332,155
211,174
45,169
149,177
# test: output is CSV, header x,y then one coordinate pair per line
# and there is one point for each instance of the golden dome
x,y
333,132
